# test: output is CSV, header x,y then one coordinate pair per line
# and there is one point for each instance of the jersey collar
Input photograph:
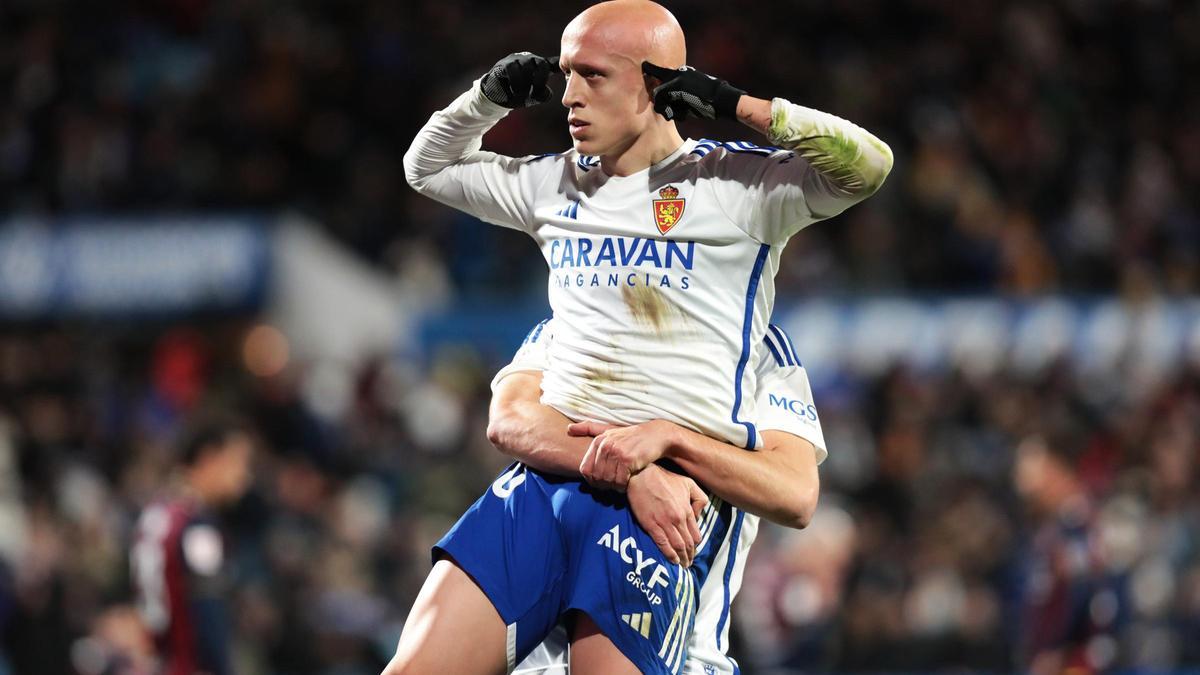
x,y
650,171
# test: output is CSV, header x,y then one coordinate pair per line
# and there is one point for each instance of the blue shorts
x,y
540,546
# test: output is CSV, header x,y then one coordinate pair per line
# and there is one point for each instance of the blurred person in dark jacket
x,y
1062,572
178,552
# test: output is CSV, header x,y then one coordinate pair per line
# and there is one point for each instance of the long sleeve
x,y
852,162
820,166
445,163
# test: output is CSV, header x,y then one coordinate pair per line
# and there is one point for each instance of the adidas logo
x,y
570,210
639,622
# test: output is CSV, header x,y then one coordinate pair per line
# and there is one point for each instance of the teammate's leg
x,y
592,653
450,611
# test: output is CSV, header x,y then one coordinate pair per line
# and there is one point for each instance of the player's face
x,y
606,96
234,460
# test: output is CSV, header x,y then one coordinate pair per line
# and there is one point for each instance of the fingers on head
x,y
657,71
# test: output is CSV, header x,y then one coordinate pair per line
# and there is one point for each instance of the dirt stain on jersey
x,y
594,385
647,306
599,376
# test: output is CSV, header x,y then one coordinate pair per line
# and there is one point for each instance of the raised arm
x,y
445,161
766,191
848,157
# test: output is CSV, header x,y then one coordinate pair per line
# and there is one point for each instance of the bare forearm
x,y
537,435
770,483
755,113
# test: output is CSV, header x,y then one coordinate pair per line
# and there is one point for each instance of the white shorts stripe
x,y
709,524
682,635
511,648
667,639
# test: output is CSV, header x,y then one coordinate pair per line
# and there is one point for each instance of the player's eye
x,y
585,72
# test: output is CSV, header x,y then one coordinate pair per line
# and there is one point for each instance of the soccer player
x,y
178,553
533,434
662,254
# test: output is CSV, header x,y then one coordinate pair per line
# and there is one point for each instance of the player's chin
x,y
584,146
586,143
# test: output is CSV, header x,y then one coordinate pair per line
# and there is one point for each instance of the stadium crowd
x,y
967,520
1040,146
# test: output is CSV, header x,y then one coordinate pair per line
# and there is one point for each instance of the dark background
x,y
1042,149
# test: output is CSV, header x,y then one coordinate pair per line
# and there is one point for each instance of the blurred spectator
x,y
948,535
117,645
1040,147
1062,609
178,553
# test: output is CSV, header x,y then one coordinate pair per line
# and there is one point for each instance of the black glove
x,y
519,80
688,90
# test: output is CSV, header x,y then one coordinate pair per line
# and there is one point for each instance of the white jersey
x,y
661,282
786,404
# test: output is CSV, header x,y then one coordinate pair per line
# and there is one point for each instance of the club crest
x,y
668,209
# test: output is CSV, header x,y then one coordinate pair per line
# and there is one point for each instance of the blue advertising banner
x,y
127,267
867,335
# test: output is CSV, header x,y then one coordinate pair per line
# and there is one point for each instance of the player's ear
x,y
649,82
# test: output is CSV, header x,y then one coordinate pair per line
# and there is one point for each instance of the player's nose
x,y
572,96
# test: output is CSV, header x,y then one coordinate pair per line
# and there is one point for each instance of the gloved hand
x,y
519,80
688,91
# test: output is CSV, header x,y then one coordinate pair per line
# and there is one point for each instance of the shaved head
x,y
638,30
607,93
